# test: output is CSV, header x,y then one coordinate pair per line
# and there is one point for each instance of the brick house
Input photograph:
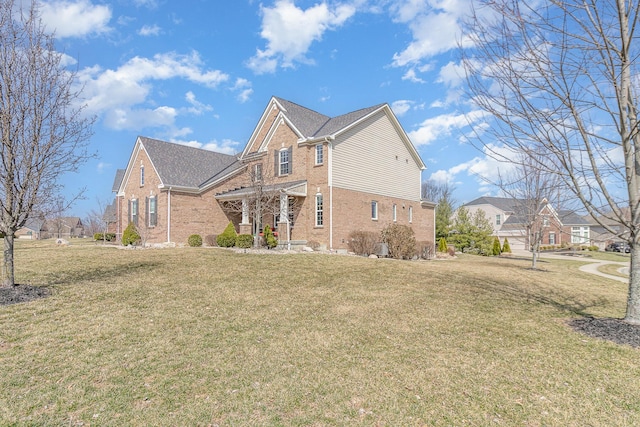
x,y
510,216
328,176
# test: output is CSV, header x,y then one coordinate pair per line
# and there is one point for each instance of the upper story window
x,y
319,154
395,212
283,161
141,176
498,219
410,214
374,210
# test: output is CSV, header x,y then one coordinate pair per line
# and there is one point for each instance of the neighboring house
x,y
65,227
510,218
332,176
34,229
110,218
601,236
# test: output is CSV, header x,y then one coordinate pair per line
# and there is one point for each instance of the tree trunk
x,y
633,299
9,278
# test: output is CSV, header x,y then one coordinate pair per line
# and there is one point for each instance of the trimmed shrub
x,y
195,240
98,236
109,237
270,240
130,235
496,246
442,245
425,250
210,240
594,248
244,241
364,242
400,240
227,239
505,246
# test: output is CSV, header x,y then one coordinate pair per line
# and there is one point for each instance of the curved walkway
x,y
591,266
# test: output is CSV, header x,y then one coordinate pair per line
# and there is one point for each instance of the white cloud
x,y
442,126
290,31
123,95
149,30
77,18
125,118
435,27
131,84
226,146
412,76
400,107
103,167
245,89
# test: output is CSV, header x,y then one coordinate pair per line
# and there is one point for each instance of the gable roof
x,y
184,166
311,126
506,204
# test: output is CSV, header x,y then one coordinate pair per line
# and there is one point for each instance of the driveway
x,y
592,266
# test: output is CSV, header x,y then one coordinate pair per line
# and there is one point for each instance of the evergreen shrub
x,y
227,239
195,240
130,235
244,241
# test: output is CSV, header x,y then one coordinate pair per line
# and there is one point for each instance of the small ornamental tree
x,y
130,235
227,239
269,239
496,246
505,246
442,245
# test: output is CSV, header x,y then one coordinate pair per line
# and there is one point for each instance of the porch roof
x,y
292,188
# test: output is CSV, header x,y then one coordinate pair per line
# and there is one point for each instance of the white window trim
x,y
374,210
281,163
410,214
319,210
395,213
319,154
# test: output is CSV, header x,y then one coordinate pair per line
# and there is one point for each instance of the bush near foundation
x,y
425,250
244,241
270,240
400,240
364,242
130,235
195,240
227,239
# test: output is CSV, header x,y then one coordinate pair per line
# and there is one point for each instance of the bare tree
x,y
261,199
563,76
532,189
43,135
442,194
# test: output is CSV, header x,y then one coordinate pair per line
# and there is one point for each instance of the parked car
x,y
618,247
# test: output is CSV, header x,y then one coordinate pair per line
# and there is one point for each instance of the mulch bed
x,y
616,330
21,293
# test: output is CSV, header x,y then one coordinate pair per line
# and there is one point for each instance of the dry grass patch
x,y
199,336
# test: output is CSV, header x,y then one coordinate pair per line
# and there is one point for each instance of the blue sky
x,y
201,72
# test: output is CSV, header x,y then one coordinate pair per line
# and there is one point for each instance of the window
x,y
319,211
579,234
152,211
498,219
552,238
319,154
374,210
133,211
395,212
141,176
410,214
283,162
258,172
545,221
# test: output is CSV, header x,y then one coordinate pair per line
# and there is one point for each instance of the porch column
x,y
245,225
283,220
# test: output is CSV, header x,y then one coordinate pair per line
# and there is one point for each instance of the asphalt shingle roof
x,y
185,166
118,180
313,124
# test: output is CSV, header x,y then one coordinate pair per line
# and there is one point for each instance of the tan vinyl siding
x,y
373,158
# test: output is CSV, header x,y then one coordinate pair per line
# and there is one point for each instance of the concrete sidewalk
x,y
591,267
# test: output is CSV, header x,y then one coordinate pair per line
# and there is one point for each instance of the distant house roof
x,y
36,224
110,213
505,204
184,166
571,218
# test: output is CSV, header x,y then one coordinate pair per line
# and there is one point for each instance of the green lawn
x,y
201,336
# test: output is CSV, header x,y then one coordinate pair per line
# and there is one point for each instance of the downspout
x,y
169,215
330,183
